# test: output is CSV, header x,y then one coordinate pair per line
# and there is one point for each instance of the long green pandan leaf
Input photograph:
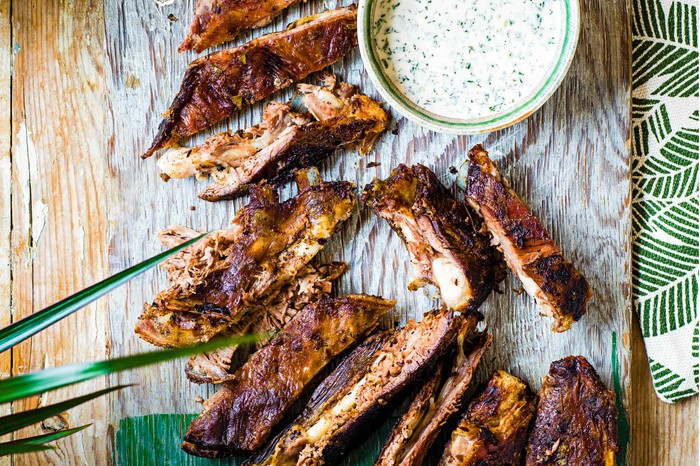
x,y
34,383
28,445
35,323
16,421
23,448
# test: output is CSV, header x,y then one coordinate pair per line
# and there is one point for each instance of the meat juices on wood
x,y
241,415
216,86
442,235
558,288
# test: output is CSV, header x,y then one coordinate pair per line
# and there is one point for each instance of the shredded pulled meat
x,y
443,236
284,141
312,283
214,282
493,430
558,288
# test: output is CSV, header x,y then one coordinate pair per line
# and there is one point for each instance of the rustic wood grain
x,y
662,433
90,81
5,190
59,216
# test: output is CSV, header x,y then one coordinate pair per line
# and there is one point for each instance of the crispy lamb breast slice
x,y
558,288
350,370
334,422
283,142
437,401
241,415
442,235
216,86
493,430
312,283
576,422
219,21
231,270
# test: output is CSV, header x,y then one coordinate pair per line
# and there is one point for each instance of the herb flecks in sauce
x,y
467,59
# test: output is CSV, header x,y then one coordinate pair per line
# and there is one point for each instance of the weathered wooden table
x,y
82,84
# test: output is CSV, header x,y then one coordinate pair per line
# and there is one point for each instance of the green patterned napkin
x,y
665,227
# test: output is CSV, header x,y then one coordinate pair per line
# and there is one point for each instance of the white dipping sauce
x,y
467,59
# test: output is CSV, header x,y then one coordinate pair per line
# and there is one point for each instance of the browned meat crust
x,y
217,85
241,415
559,289
413,435
283,142
312,283
217,279
576,421
443,236
494,428
350,370
219,21
334,421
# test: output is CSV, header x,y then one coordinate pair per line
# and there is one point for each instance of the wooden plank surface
x,y
89,83
59,196
5,189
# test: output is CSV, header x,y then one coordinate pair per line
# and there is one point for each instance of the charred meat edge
x,y
241,415
350,370
227,272
219,21
442,235
555,284
283,142
493,430
313,283
325,432
216,86
576,422
413,435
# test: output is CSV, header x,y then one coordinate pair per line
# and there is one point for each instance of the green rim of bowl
x,y
411,111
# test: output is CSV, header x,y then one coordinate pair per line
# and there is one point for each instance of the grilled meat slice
x,y
493,430
350,370
241,415
557,287
312,283
413,435
285,140
217,85
442,235
229,271
576,422
219,21
330,426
